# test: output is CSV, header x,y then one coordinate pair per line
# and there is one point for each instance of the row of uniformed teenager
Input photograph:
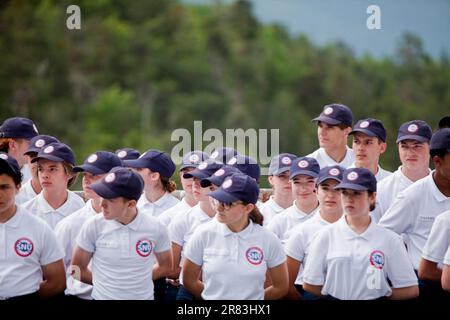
x,y
318,218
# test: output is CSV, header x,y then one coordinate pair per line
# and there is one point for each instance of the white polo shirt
x,y
66,232
381,174
281,225
447,257
26,173
26,244
270,209
353,266
169,215
438,240
26,193
297,246
123,255
233,264
325,160
159,206
40,207
412,215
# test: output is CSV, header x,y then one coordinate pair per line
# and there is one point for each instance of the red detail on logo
x,y
24,247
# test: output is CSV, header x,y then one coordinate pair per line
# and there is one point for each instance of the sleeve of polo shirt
x,y
63,236
51,250
177,229
276,255
447,257
400,216
163,241
295,247
314,271
87,237
400,270
438,241
195,247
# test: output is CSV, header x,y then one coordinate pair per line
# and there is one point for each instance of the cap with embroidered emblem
x,y
99,162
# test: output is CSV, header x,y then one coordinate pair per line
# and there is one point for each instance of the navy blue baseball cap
x,y
99,162
56,151
156,161
38,142
204,170
330,172
237,187
11,162
360,179
371,127
18,127
444,122
304,165
441,140
281,163
246,165
219,176
417,130
223,154
335,114
120,182
193,159
128,153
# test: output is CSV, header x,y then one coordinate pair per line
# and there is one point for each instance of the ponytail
x,y
256,216
265,195
168,184
4,144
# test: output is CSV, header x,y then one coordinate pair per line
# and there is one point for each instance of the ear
x,y
132,204
249,208
347,131
383,147
270,179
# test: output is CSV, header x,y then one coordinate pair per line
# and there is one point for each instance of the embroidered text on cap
x,y
334,172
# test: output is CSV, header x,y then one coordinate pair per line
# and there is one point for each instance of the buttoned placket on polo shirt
x,y
236,239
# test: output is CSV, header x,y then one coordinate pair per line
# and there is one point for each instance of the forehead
x,y
326,125
329,183
411,142
363,136
6,179
49,163
302,177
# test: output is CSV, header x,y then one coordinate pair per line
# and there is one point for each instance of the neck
x,y
331,216
442,183
129,216
55,198
36,185
358,223
307,206
338,153
372,167
8,213
238,226
284,200
154,195
190,200
96,204
415,174
205,206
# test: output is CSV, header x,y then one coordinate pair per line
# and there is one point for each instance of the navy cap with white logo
x,y
219,176
18,127
38,142
359,179
417,130
120,182
371,127
10,162
155,160
335,114
281,163
204,170
99,162
128,153
223,154
56,151
237,187
441,140
246,165
304,165
330,172
193,159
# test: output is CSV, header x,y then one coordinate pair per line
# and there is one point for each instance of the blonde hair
x,y
168,184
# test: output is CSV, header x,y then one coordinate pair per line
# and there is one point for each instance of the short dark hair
x,y
16,176
438,152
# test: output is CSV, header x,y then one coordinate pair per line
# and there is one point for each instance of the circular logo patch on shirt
x,y
303,164
377,259
413,128
39,143
110,177
352,176
228,183
232,161
364,124
49,149
214,154
254,255
286,160
3,156
219,173
203,166
334,172
122,154
328,111
194,158
144,247
24,247
92,158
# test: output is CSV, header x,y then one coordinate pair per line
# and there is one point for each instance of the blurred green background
x,y
137,70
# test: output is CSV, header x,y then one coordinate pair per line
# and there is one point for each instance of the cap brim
x,y
184,166
327,120
413,137
223,196
48,157
103,191
365,131
88,168
322,179
351,186
304,172
217,181
136,163
199,175
32,150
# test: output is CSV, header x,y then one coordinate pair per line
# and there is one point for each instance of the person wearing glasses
x,y
233,252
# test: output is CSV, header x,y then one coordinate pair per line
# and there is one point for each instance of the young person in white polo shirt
x,y
303,174
333,127
233,252
297,246
369,143
281,197
413,141
32,187
95,167
29,251
123,243
353,258
55,170
445,281
413,212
